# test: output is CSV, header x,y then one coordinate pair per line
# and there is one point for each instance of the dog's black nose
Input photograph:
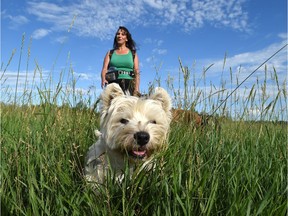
x,y
142,138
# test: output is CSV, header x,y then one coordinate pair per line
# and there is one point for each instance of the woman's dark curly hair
x,y
130,43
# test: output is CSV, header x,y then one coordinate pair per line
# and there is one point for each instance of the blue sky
x,y
63,35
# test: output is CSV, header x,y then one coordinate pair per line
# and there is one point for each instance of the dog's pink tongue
x,y
139,153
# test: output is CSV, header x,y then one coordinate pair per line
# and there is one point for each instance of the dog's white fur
x,y
132,129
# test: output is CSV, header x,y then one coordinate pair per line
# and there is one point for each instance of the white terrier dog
x,y
131,129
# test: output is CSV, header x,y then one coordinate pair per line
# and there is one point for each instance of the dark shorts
x,y
126,85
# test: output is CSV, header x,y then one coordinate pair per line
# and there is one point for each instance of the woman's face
x,y
121,36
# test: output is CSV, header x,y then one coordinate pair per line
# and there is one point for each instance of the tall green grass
x,y
236,168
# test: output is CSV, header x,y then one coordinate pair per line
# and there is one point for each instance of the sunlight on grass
x,y
231,165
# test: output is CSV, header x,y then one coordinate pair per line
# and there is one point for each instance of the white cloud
x,y
97,18
15,21
283,36
157,4
153,41
247,62
266,88
61,40
83,76
31,84
149,59
160,51
27,78
40,33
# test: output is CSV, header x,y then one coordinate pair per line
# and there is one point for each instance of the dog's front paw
x,y
95,170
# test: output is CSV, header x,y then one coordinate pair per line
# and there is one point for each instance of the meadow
x,y
230,166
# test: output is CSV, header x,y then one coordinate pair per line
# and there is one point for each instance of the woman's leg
x,y
130,86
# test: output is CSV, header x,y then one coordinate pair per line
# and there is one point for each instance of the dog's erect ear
x,y
161,95
112,91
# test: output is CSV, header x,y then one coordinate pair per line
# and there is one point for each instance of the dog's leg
x,y
95,165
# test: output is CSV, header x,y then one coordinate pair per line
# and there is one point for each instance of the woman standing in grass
x,y
121,65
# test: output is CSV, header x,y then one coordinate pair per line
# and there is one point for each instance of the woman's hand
x,y
104,82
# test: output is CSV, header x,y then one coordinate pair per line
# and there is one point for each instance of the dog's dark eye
x,y
153,122
124,121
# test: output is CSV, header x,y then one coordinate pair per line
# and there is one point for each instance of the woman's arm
x,y
137,74
106,61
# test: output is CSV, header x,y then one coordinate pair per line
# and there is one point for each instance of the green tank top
x,y
122,62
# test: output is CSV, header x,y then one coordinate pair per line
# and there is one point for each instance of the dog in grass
x,y
132,130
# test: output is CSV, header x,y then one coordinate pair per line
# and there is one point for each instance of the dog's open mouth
x,y
138,153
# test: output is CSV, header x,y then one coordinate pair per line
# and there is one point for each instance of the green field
x,y
231,166
240,169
